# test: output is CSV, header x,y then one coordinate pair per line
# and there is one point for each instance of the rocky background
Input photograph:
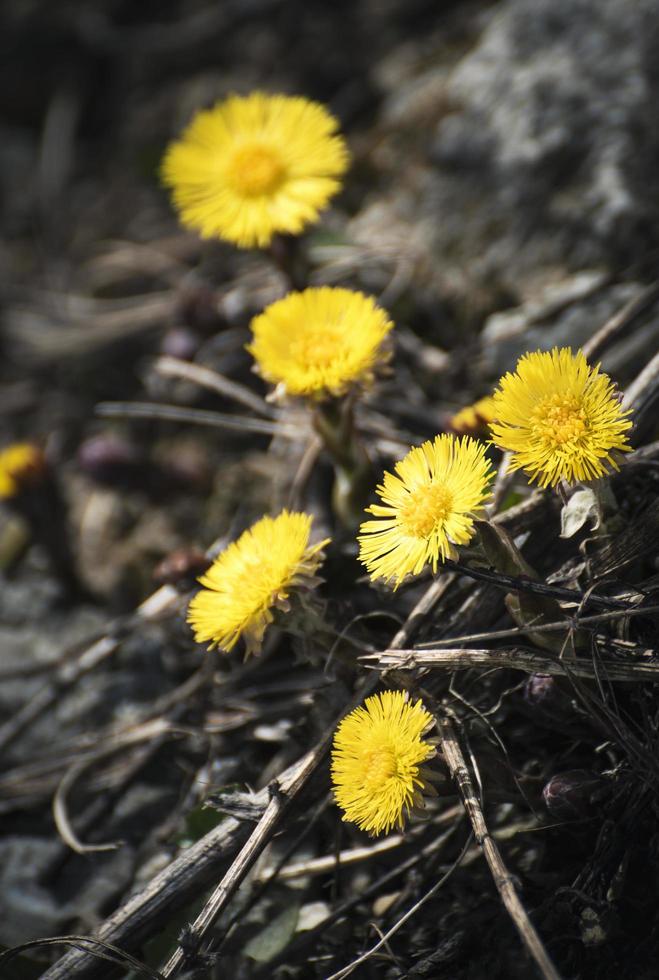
x,y
504,197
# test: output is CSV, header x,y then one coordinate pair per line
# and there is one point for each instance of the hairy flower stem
x,y
611,521
289,255
42,507
353,474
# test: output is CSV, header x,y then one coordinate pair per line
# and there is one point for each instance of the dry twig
x,y
172,367
502,878
461,658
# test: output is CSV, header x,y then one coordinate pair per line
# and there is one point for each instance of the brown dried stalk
x,y
173,367
500,874
462,658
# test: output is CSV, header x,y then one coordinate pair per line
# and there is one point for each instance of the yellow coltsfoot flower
x,y
474,417
320,342
21,465
430,506
252,578
560,418
376,761
255,165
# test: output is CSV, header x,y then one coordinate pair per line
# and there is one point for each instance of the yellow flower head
x,y
429,507
473,417
20,465
321,341
253,577
560,418
376,754
255,165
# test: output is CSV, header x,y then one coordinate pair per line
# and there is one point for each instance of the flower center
x,y
379,766
256,170
316,350
559,419
425,509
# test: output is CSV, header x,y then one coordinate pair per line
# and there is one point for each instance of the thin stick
x,y
353,855
146,732
513,583
419,856
304,471
173,367
618,324
502,878
578,622
461,658
347,970
282,793
197,416
66,676
643,384
95,947
428,600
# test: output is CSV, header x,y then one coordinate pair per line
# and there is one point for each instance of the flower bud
x,y
180,342
181,568
570,795
550,703
197,308
109,459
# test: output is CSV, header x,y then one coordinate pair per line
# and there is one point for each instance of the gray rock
x,y
29,909
563,314
550,155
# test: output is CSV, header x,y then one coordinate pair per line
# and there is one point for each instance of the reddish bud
x,y
571,795
109,459
180,342
181,567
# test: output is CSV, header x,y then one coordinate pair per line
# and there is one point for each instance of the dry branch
x,y
620,323
198,416
502,878
172,367
462,658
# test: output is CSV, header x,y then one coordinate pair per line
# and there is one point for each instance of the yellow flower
x,y
560,418
253,577
430,506
376,754
20,464
321,341
473,417
255,165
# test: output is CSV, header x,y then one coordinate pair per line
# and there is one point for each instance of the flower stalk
x,y
29,487
327,345
334,421
289,255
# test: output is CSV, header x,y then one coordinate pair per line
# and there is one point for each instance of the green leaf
x,y
265,945
198,823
